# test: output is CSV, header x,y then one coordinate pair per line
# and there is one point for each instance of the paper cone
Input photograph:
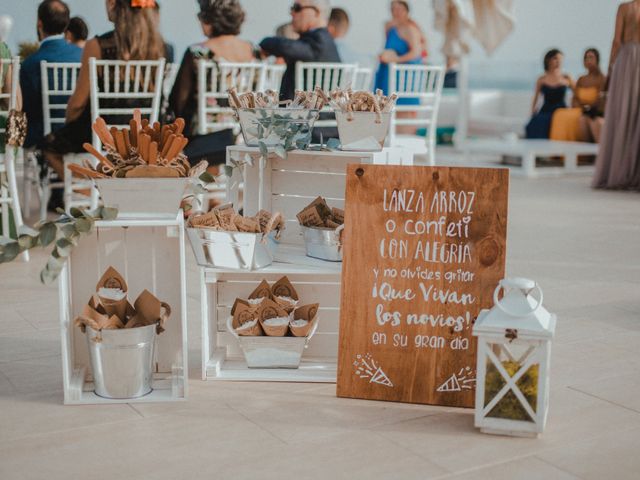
x,y
209,220
285,295
308,313
262,291
269,309
243,314
248,225
152,171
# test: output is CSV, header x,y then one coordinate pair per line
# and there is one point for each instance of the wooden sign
x,y
424,250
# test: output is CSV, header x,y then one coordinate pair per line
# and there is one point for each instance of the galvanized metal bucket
x,y
360,131
233,250
122,361
272,352
323,243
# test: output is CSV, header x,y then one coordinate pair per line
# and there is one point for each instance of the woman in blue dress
x,y
404,44
553,87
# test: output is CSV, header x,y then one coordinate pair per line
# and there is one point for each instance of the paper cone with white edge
x,y
112,291
262,291
273,318
245,320
89,317
303,319
285,295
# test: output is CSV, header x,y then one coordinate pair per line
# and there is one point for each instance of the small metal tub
x,y
122,361
233,250
272,352
323,243
143,198
271,125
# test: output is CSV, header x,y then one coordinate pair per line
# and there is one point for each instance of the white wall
x,y
570,25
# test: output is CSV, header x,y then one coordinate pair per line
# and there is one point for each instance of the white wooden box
x,y
288,185
150,255
314,280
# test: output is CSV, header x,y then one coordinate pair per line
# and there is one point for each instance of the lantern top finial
x,y
517,310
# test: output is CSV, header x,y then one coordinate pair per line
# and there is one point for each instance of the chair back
x,y
273,77
363,80
119,87
328,76
58,83
423,83
214,80
9,99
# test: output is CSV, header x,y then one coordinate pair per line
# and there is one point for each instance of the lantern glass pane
x,y
509,406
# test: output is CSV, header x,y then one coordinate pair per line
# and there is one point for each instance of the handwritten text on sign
x,y
425,247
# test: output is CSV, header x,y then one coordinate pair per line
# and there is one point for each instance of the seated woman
x,y
582,122
135,37
589,98
552,86
221,21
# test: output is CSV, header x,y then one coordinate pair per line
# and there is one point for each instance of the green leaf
x,y
9,251
109,213
333,144
281,151
27,242
48,233
60,211
264,150
206,177
228,170
76,212
64,246
83,225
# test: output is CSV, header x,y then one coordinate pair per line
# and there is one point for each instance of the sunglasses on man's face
x,y
297,8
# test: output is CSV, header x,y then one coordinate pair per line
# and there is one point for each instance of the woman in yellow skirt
x,y
584,121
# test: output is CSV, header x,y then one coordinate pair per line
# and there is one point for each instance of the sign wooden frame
x,y
424,249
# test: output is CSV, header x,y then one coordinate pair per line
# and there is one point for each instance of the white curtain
x,y
488,21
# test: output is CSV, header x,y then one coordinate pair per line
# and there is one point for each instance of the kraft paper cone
x,y
225,214
285,295
276,223
338,215
91,318
149,310
112,279
263,217
269,309
247,225
209,220
307,313
283,288
243,314
314,214
262,291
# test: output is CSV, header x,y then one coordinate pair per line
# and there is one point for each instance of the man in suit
x,y
53,18
308,19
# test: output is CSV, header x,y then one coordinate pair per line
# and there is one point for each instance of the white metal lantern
x,y
514,348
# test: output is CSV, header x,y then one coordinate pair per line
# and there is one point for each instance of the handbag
x,y
16,128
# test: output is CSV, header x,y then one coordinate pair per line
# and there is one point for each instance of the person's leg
x,y
585,129
406,129
55,161
596,125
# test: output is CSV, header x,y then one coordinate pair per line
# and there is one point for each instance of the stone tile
x,y
28,345
34,375
614,455
623,390
527,468
13,322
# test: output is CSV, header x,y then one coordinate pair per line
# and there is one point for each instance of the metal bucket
x,y
143,197
122,361
272,352
323,243
271,125
361,132
233,250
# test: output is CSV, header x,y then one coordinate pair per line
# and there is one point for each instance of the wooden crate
x,y
284,185
314,280
288,185
150,255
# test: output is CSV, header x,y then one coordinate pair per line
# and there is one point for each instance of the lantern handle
x,y
508,284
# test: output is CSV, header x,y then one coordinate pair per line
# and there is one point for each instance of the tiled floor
x,y
582,246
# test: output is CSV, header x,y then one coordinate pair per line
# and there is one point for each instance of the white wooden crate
x,y
150,255
315,281
288,185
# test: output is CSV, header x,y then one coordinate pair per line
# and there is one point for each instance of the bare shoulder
x,y
92,49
